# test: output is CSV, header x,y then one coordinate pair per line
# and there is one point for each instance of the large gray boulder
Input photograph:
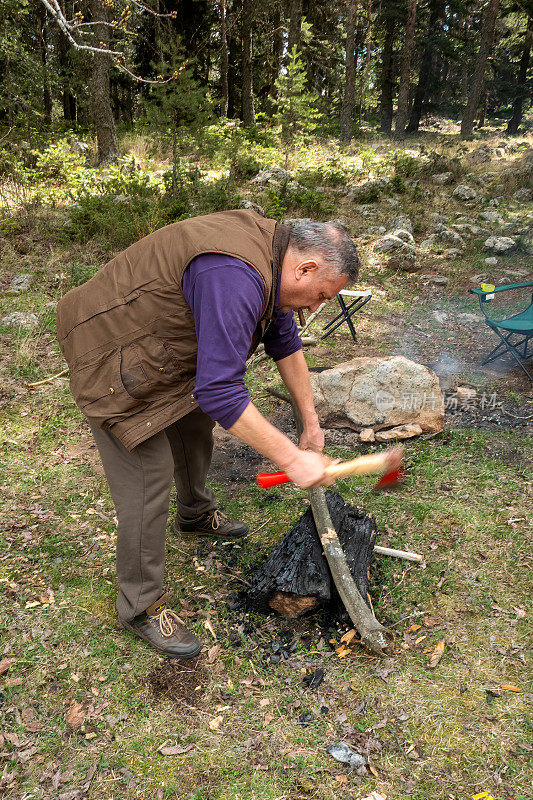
x,y
378,393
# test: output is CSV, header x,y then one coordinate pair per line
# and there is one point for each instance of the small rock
x,y
121,198
523,195
451,237
369,190
393,244
341,752
438,280
404,235
277,174
492,217
403,222
252,207
491,261
51,306
443,178
20,284
482,277
20,319
377,230
440,316
452,252
367,435
463,192
428,243
438,219
400,432
500,244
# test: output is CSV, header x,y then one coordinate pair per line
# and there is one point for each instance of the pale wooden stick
x,y
389,551
51,378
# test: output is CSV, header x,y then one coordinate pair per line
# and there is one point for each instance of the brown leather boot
x,y
214,524
164,630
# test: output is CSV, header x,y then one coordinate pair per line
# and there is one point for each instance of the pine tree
x,y
296,106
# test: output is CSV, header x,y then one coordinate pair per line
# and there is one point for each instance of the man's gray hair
x,y
331,243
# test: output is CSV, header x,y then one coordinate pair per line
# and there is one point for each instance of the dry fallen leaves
x,y
75,716
175,749
6,663
215,723
347,638
511,688
437,654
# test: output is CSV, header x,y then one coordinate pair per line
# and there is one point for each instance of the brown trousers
x,y
140,482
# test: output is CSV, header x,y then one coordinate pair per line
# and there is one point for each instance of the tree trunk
x,y
65,70
521,88
233,83
248,116
488,25
405,71
42,38
224,59
366,38
348,100
295,24
101,110
426,67
387,84
277,53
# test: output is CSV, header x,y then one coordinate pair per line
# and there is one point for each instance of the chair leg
x,y
505,343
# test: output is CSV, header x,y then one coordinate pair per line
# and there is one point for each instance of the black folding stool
x,y
358,299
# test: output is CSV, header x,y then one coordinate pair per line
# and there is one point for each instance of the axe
x,y
389,463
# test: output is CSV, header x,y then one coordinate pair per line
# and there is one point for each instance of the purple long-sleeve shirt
x,y
226,297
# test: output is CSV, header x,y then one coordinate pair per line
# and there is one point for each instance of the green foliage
x,y
58,162
81,273
287,197
297,111
330,172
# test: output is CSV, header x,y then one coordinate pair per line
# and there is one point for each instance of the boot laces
x,y
167,620
217,519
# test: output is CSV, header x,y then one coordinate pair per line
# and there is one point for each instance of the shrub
x,y
57,162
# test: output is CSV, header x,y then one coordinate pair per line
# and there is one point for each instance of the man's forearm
x,y
295,375
303,467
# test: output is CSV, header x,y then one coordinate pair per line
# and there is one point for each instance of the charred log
x,y
296,577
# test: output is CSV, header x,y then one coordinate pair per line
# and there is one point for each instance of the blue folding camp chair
x,y
515,332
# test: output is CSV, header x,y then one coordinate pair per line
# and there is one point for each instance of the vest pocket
x,y
148,368
99,392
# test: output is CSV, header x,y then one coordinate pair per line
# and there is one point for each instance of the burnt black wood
x,y
297,564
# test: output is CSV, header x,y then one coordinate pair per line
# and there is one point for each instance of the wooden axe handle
x,y
362,465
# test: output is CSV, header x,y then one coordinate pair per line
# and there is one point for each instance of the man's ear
x,y
305,267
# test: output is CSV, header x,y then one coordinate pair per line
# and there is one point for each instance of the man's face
x,y
306,285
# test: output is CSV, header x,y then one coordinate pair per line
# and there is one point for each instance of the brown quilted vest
x,y
128,333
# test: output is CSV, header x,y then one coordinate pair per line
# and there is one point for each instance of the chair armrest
x,y
501,288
